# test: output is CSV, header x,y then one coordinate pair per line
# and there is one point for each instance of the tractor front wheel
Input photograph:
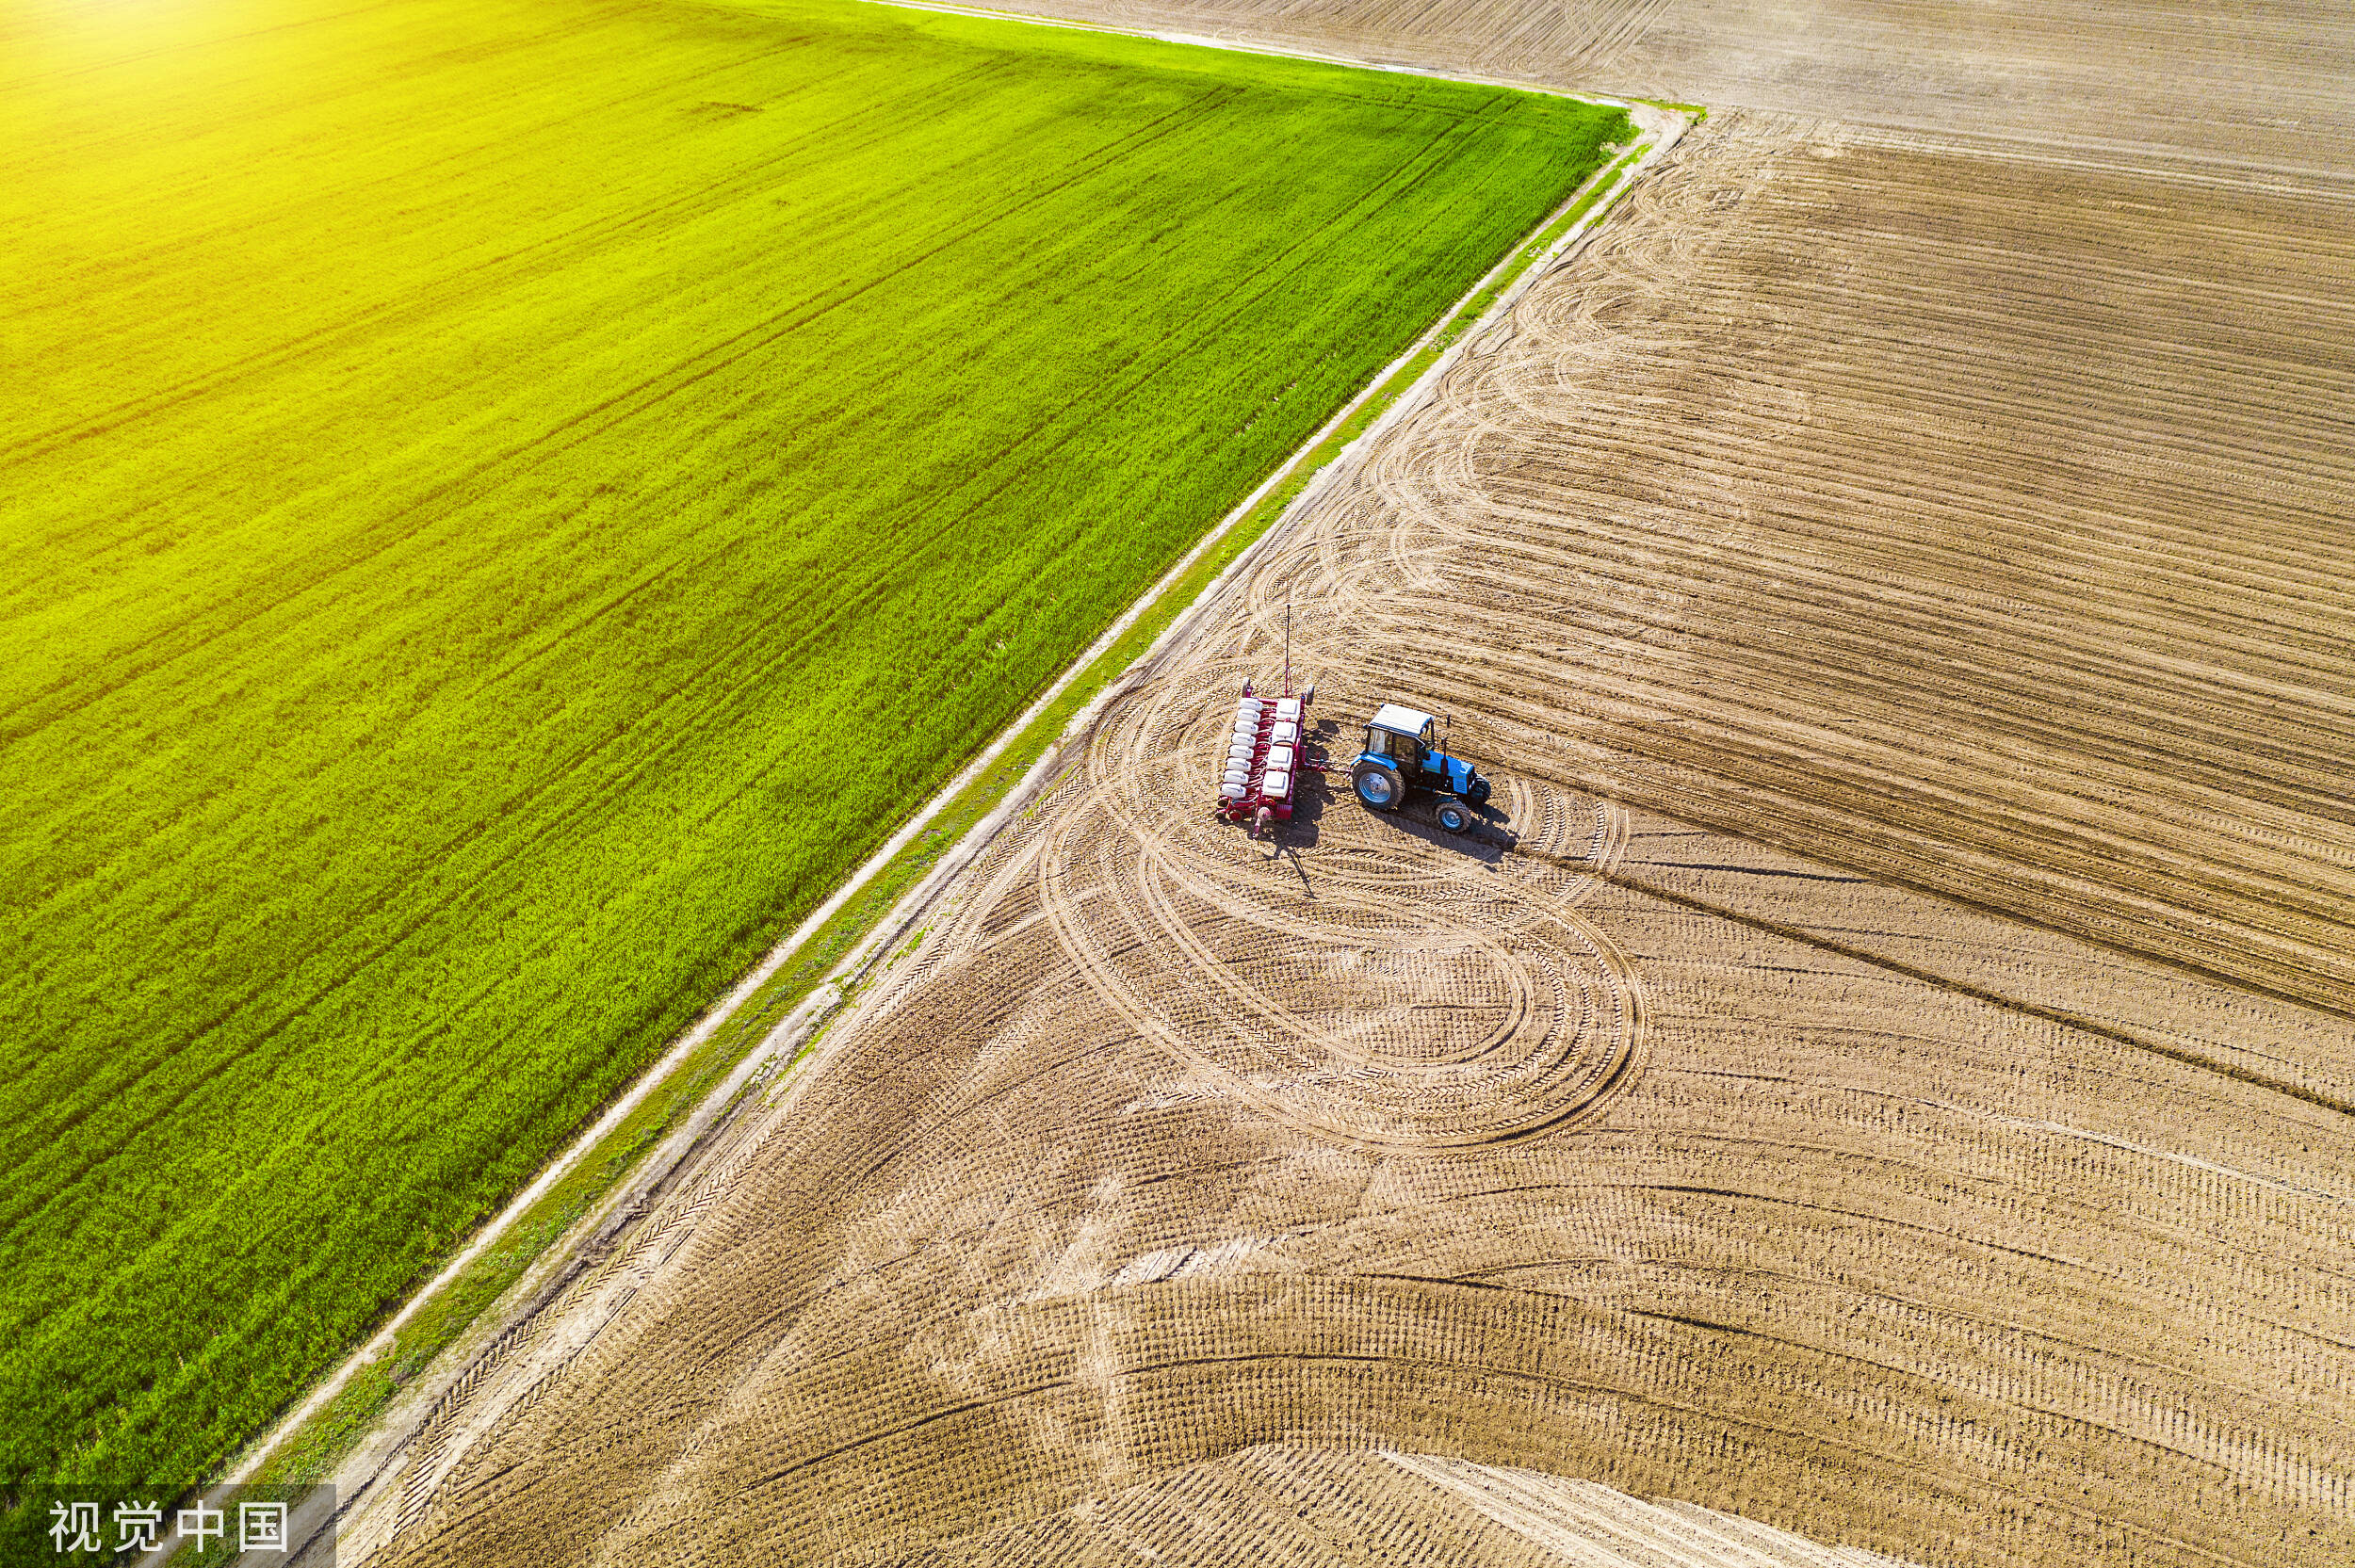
x,y
1454,815
1376,785
1478,793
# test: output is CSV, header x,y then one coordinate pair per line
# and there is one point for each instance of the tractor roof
x,y
1390,716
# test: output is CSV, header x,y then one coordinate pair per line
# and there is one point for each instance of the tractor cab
x,y
1403,752
1401,734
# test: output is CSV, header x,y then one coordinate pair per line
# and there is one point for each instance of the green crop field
x,y
505,503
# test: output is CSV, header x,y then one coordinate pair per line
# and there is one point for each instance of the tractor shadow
x,y
1488,840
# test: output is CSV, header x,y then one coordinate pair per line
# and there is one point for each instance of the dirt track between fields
x,y
1602,1145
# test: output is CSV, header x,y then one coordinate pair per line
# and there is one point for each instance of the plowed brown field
x,y
2252,86
1598,1143
1974,522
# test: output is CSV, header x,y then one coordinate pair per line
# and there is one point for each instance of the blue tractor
x,y
1402,754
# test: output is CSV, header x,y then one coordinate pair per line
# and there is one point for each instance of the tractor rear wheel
x,y
1454,815
1376,785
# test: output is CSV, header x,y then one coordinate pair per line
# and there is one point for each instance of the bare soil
x,y
1972,522
1279,1507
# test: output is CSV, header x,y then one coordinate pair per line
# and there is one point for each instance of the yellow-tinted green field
x,y
505,504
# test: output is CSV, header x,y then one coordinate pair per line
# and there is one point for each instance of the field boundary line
x,y
1310,466
1285,52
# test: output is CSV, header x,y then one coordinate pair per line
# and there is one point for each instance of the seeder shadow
x,y
1312,791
